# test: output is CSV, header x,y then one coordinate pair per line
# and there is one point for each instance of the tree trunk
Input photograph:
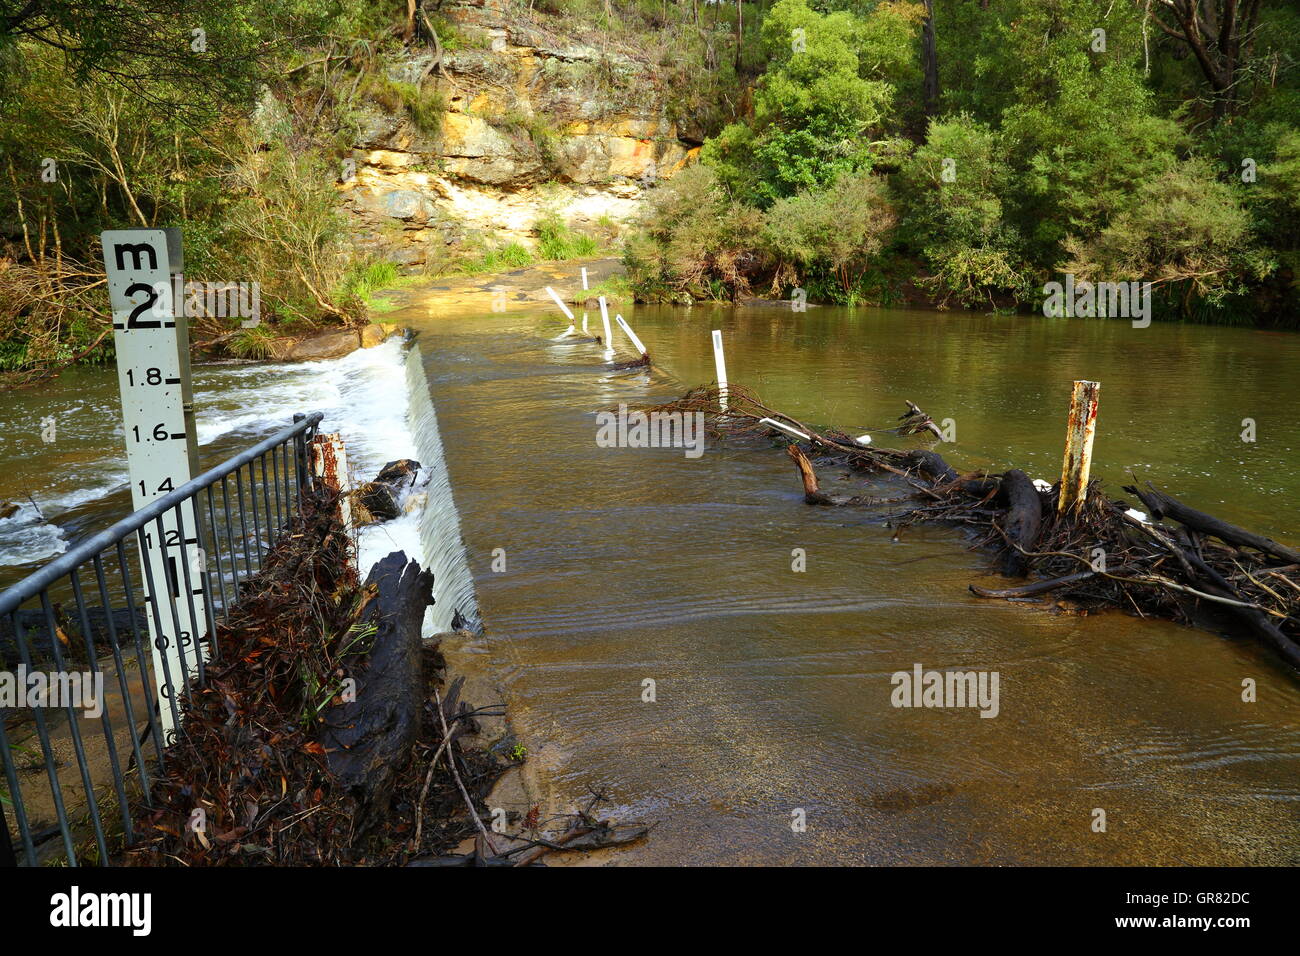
x,y
740,29
369,739
930,61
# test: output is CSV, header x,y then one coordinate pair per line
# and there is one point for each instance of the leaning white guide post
x,y
158,451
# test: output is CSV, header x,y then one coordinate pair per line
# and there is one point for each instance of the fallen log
x,y
381,499
1162,505
368,738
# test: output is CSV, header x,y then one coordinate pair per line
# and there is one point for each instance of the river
x,y
772,687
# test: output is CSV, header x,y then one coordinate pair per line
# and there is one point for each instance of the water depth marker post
x,y
721,362
160,445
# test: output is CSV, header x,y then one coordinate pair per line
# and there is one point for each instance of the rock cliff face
x,y
513,123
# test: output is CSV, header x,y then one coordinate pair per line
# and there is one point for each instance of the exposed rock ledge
x,y
530,125
313,346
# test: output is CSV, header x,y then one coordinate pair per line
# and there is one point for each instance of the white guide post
x,y
721,362
158,452
565,309
584,289
609,338
561,303
636,342
789,430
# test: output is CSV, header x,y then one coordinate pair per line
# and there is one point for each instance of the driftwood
x,y
1023,521
380,500
1096,554
1031,590
1162,505
368,738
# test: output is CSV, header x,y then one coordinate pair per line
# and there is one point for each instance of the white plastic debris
x,y
1042,485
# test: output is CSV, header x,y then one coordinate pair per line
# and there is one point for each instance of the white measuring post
x,y
636,342
150,377
609,338
584,289
720,361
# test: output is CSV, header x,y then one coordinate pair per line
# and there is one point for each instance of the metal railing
x,y
60,770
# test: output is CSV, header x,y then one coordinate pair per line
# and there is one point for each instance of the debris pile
x,y
1173,561
258,775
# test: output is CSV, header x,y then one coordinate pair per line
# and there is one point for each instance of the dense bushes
x,y
1072,136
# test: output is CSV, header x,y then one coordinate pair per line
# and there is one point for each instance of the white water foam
x,y
377,398
384,413
26,536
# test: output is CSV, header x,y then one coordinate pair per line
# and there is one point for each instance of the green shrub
x,y
840,230
559,242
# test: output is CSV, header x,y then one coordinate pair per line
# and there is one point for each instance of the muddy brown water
x,y
773,687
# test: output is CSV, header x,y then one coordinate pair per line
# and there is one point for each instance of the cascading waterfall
x,y
439,521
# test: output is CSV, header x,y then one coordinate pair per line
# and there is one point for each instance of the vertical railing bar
x,y
216,544
266,503
243,526
205,577
166,592
122,682
159,641
275,485
230,537
106,722
153,709
43,733
288,498
75,730
15,790
189,597
257,522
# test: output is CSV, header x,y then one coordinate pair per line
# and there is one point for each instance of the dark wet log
x,y
1023,521
932,465
400,474
1162,505
378,500
1030,590
370,738
381,498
